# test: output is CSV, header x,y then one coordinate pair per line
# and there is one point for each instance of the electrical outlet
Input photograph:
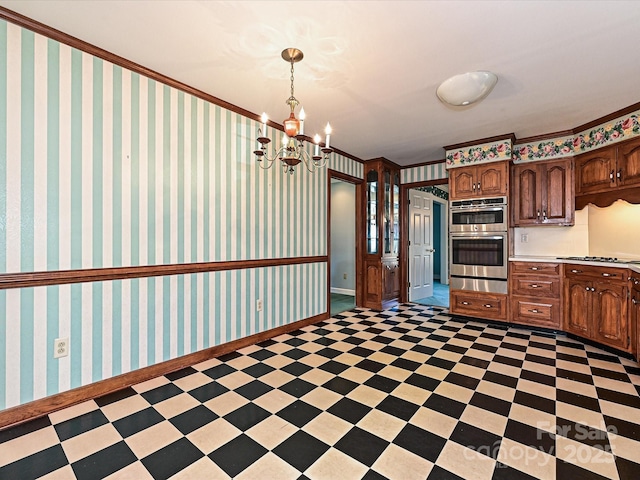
x,y
524,238
60,347
344,275
258,305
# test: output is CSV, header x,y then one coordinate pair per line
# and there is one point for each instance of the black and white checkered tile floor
x,y
408,393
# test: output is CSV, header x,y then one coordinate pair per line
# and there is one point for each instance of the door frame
x,y
359,247
404,226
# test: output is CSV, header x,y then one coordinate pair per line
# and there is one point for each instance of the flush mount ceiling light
x,y
292,151
466,88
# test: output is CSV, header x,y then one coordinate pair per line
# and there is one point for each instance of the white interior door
x,y
420,245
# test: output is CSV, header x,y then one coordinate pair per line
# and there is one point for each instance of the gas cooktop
x,y
599,259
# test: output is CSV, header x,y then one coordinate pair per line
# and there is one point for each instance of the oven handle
x,y
475,236
475,208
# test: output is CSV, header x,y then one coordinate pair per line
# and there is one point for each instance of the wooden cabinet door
x,y
492,179
525,195
390,280
462,182
610,322
557,193
634,318
628,172
578,300
596,171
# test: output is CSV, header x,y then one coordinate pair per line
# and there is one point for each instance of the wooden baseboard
x,y
44,406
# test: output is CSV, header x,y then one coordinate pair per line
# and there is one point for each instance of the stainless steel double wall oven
x,y
478,243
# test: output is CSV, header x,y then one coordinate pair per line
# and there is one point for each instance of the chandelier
x,y
292,151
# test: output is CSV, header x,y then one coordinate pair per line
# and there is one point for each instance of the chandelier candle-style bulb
x,y
302,117
327,131
316,139
264,119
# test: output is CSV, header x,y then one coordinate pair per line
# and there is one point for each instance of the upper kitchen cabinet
x,y
484,180
607,174
542,193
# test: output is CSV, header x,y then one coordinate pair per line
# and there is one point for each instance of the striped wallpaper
x,y
118,326
103,167
434,171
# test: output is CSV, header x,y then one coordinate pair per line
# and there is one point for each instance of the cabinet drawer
x,y
590,272
482,305
535,287
536,268
536,311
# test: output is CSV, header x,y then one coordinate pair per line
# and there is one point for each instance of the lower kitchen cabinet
x,y
634,313
534,290
478,304
578,302
540,312
596,305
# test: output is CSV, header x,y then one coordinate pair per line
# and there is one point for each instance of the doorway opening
x,y
342,259
428,246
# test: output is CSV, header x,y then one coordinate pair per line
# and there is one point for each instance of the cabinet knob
x,y
478,185
611,175
488,305
619,175
464,303
535,285
538,214
535,310
609,275
634,301
593,289
587,288
534,268
576,271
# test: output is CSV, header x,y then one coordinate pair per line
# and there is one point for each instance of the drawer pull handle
x,y
609,275
576,271
535,285
464,303
488,305
535,310
634,301
611,175
534,268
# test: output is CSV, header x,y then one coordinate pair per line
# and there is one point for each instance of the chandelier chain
x,y
292,78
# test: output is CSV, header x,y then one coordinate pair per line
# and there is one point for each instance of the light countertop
x,y
548,259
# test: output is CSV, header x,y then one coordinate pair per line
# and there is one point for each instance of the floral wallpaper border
x,y
622,128
619,129
483,153
543,150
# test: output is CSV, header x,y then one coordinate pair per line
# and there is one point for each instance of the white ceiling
x,y
371,67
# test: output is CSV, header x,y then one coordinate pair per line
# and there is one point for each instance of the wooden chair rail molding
x,y
38,408
39,279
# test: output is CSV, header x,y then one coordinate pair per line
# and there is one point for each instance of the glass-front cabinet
x,y
382,230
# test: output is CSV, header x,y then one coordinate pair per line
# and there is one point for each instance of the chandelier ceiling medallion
x,y
292,151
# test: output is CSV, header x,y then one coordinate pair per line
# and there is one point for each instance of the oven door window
x,y
479,251
478,217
